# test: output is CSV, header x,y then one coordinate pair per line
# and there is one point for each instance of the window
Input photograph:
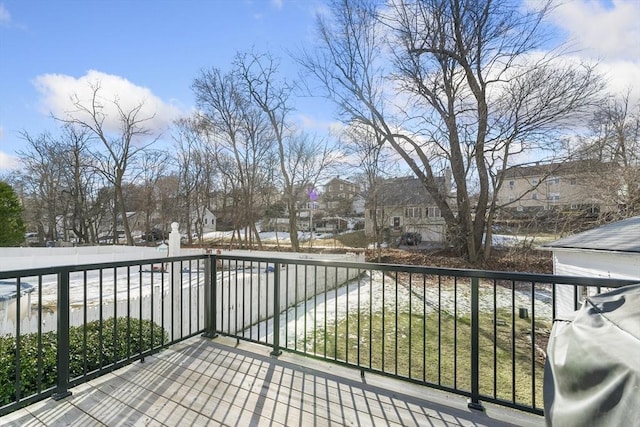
x,y
433,212
554,196
341,187
330,188
535,181
396,221
573,181
413,212
512,198
205,221
534,196
574,206
520,208
511,184
554,180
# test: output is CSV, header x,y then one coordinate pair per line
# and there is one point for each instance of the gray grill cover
x,y
592,372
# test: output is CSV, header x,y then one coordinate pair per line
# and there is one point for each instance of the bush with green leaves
x,y
91,347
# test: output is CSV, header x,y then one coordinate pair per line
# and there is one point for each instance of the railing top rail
x,y
457,272
9,274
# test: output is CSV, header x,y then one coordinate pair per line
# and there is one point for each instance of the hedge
x,y
101,350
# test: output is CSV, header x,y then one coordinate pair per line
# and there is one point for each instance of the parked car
x,y
155,235
410,239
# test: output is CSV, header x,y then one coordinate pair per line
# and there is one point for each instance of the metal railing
x,y
479,334
80,322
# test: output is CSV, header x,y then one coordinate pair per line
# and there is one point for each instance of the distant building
x,y
554,186
403,205
342,198
203,219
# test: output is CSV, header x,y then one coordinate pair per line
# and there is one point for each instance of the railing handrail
x,y
405,268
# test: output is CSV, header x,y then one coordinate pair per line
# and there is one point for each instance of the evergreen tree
x,y
11,225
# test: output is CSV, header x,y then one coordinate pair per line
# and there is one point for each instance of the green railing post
x,y
62,359
276,310
210,297
474,401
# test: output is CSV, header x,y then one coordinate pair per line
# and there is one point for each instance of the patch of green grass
x,y
438,351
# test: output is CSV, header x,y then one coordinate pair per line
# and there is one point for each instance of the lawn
x,y
436,350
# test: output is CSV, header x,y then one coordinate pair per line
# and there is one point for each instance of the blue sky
x,y
155,48
49,47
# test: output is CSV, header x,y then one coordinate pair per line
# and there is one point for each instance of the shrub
x,y
116,341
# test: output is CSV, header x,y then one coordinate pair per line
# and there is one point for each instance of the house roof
x,y
564,168
620,236
405,191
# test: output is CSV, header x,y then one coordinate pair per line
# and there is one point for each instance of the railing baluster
x,y
276,309
474,402
211,271
62,358
18,339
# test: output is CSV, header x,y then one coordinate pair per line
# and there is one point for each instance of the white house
x,y
203,218
612,251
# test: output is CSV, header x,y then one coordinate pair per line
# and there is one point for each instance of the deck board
x,y
219,382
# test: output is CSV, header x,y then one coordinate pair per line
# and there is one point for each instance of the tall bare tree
x,y
120,148
151,167
80,185
302,158
189,150
366,147
42,180
242,140
457,83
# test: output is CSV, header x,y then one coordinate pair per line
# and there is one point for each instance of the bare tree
x,y
451,83
366,145
152,166
120,148
80,185
42,179
615,140
168,200
242,140
302,159
187,143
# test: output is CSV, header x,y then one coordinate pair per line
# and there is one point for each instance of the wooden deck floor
x,y
202,382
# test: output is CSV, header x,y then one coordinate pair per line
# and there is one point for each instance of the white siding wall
x,y
615,265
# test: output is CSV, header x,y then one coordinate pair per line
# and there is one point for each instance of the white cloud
x,y
622,76
609,32
5,16
277,3
606,32
57,91
309,123
8,162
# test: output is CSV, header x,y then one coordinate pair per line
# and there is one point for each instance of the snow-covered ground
x,y
371,293
268,236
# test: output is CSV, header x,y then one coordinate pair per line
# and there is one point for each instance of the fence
x,y
479,334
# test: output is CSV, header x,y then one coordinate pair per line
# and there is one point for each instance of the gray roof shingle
x,y
620,236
